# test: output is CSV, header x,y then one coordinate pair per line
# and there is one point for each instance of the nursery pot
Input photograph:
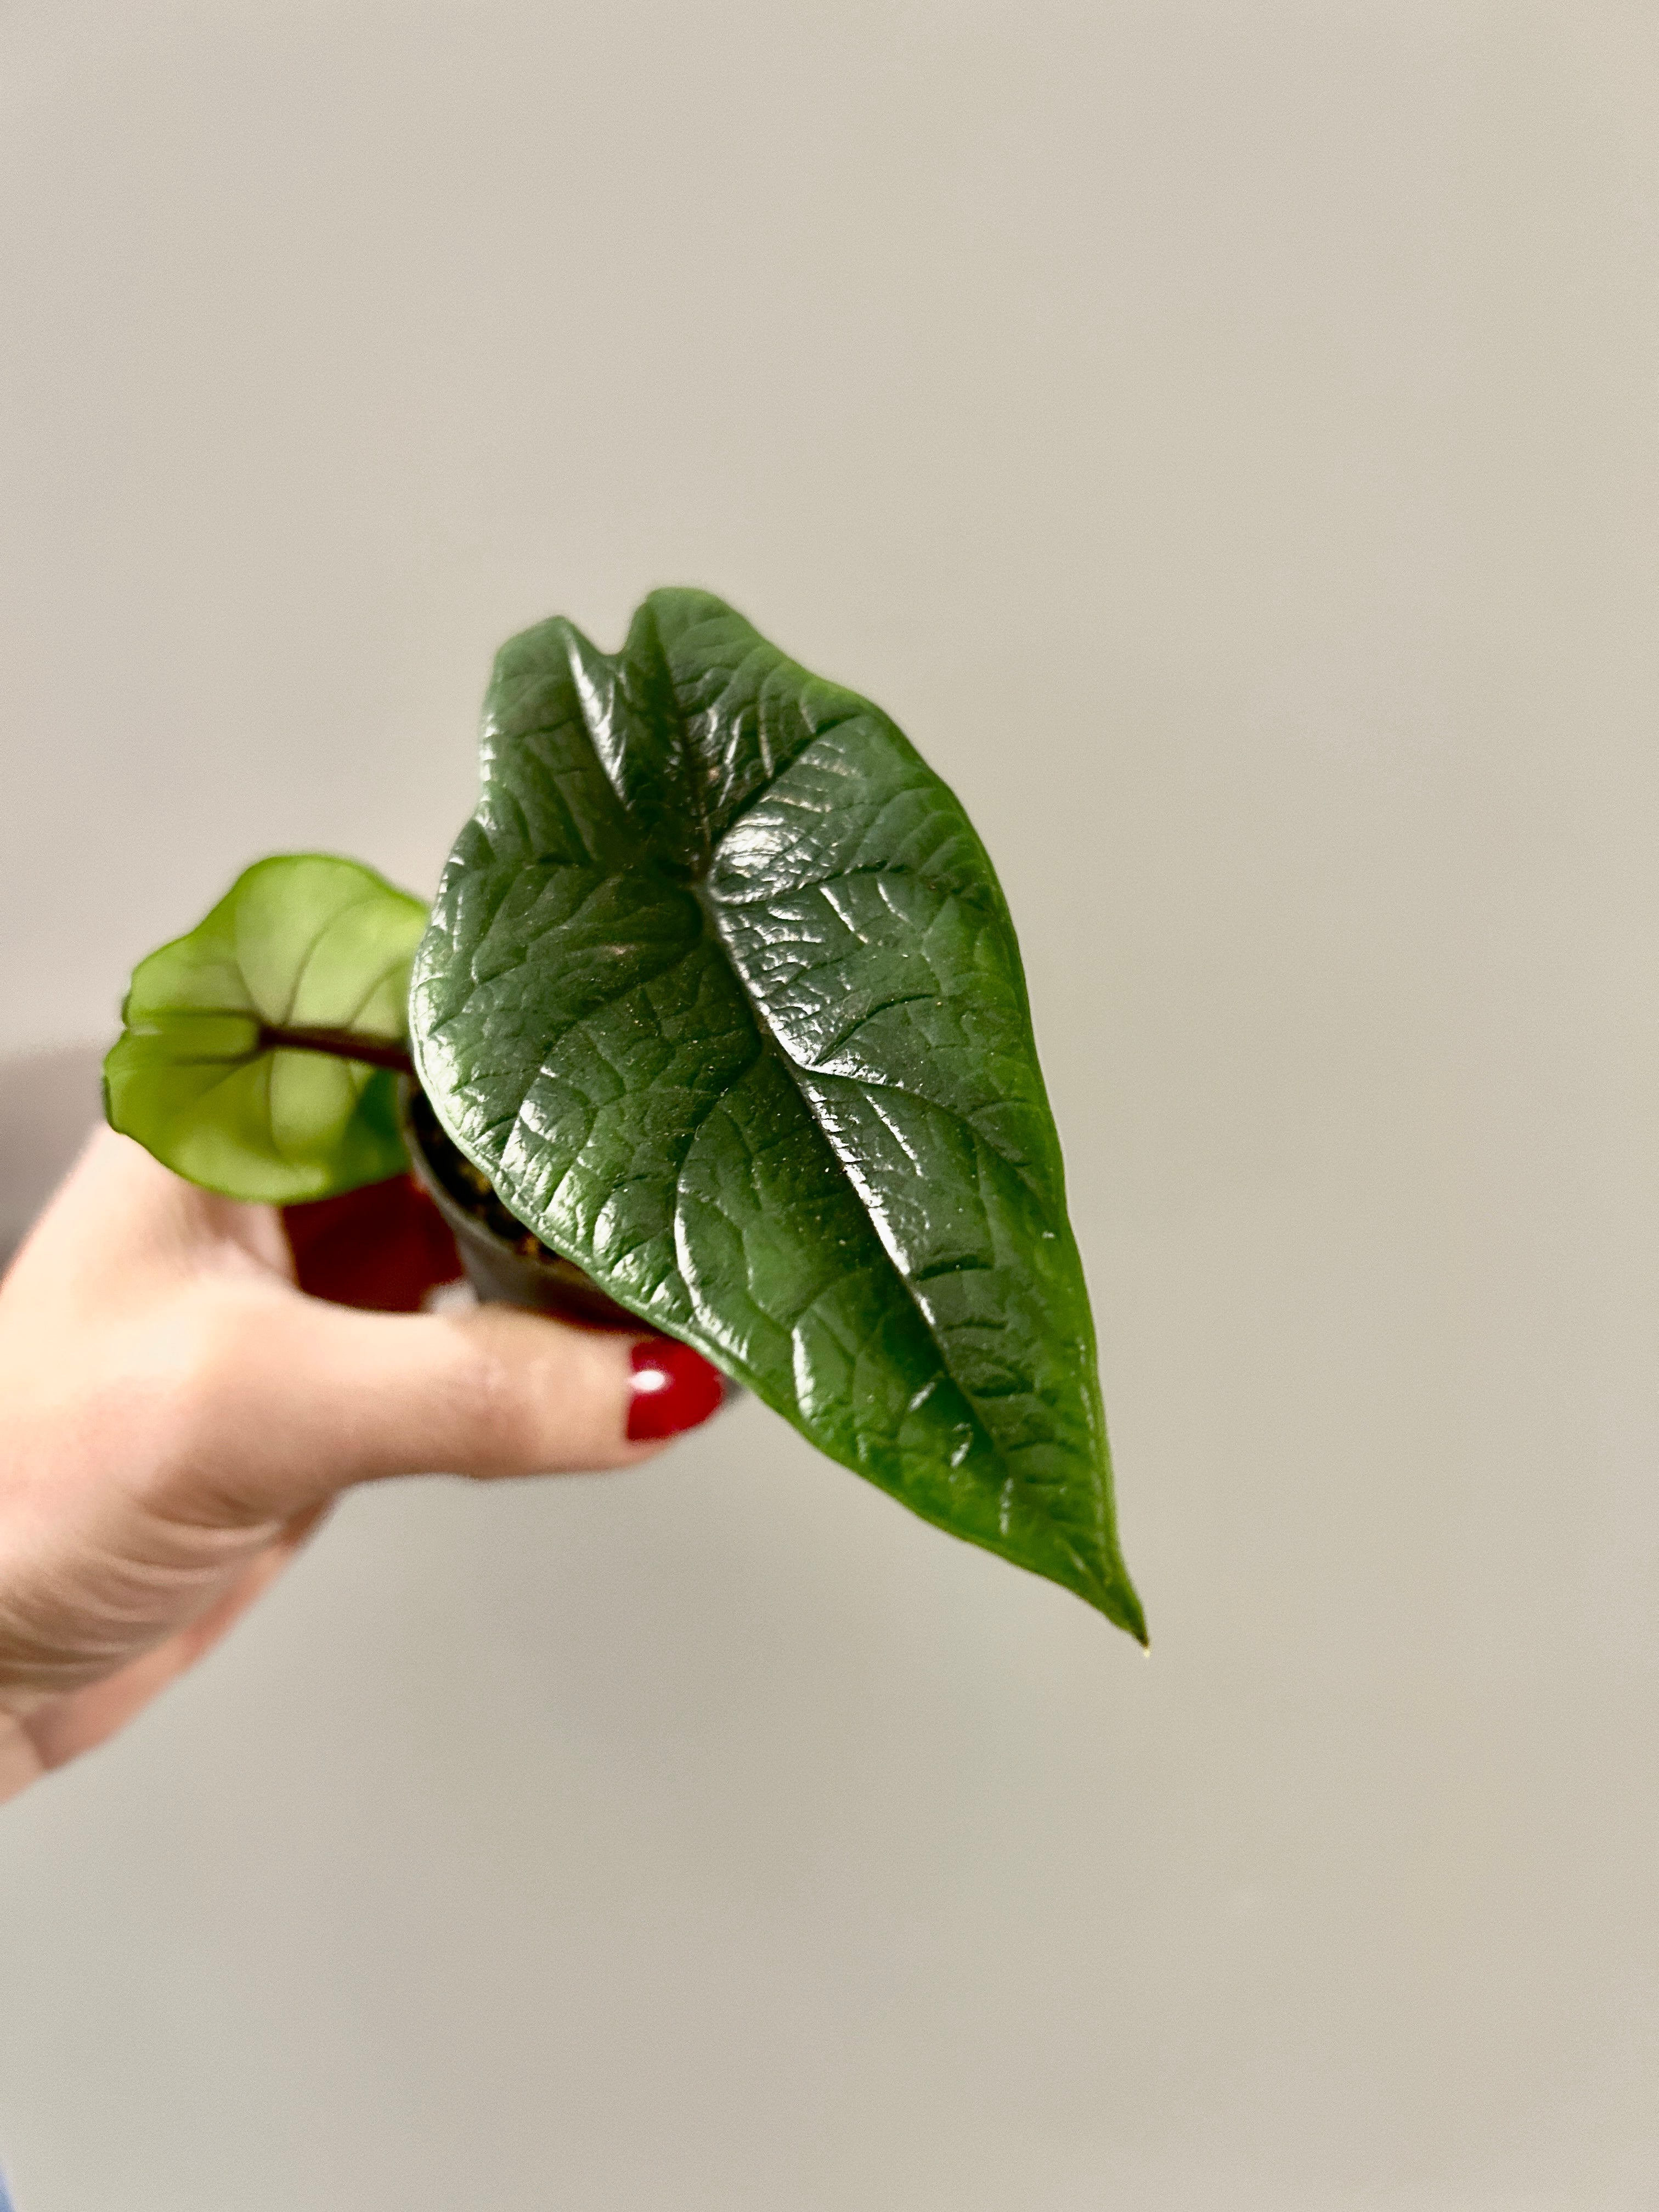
x,y
506,1263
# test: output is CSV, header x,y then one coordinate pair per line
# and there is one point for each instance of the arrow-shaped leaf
x,y
256,1053
722,994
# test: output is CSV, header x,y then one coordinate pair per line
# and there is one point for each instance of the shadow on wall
x,y
48,1101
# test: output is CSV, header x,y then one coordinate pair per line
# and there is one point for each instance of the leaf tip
x,y
1122,1607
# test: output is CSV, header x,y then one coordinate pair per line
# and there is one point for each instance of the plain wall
x,y
1222,432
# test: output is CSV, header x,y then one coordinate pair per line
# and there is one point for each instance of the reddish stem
x,y
340,1044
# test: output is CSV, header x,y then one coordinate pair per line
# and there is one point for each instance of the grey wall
x,y
1224,435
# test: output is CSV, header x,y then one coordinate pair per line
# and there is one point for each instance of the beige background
x,y
1222,432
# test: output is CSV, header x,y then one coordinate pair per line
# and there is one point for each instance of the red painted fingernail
x,y
674,1389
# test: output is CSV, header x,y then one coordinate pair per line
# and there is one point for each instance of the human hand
x,y
177,1415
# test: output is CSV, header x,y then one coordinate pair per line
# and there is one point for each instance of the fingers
x,y
175,1403
303,1400
238,1403
493,1391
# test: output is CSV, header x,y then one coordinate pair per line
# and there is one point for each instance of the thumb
x,y
319,1397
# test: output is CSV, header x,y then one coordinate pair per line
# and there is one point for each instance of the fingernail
x,y
674,1389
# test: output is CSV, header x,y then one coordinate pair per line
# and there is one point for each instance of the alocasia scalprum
x,y
720,992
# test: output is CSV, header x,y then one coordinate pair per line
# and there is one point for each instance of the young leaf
x,y
256,1054
722,993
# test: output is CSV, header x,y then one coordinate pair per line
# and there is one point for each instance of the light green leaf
x,y
722,993
256,1053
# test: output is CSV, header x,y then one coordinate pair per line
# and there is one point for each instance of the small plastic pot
x,y
506,1265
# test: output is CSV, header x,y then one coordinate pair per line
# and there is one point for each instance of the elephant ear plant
x,y
720,1000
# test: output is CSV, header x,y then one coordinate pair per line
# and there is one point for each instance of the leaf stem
x,y
339,1044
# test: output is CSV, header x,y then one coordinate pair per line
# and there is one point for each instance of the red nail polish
x,y
674,1389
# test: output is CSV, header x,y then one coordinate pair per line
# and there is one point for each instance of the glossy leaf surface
x,y
722,994
233,1064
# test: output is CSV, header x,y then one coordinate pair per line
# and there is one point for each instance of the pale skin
x,y
176,1417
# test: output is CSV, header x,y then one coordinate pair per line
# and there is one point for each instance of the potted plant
x,y
717,1023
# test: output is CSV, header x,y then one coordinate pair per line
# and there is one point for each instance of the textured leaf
x,y
722,993
233,1064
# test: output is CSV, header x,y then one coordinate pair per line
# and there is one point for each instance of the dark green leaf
x,y
722,993
256,1053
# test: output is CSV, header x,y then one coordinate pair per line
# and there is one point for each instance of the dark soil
x,y
470,1186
